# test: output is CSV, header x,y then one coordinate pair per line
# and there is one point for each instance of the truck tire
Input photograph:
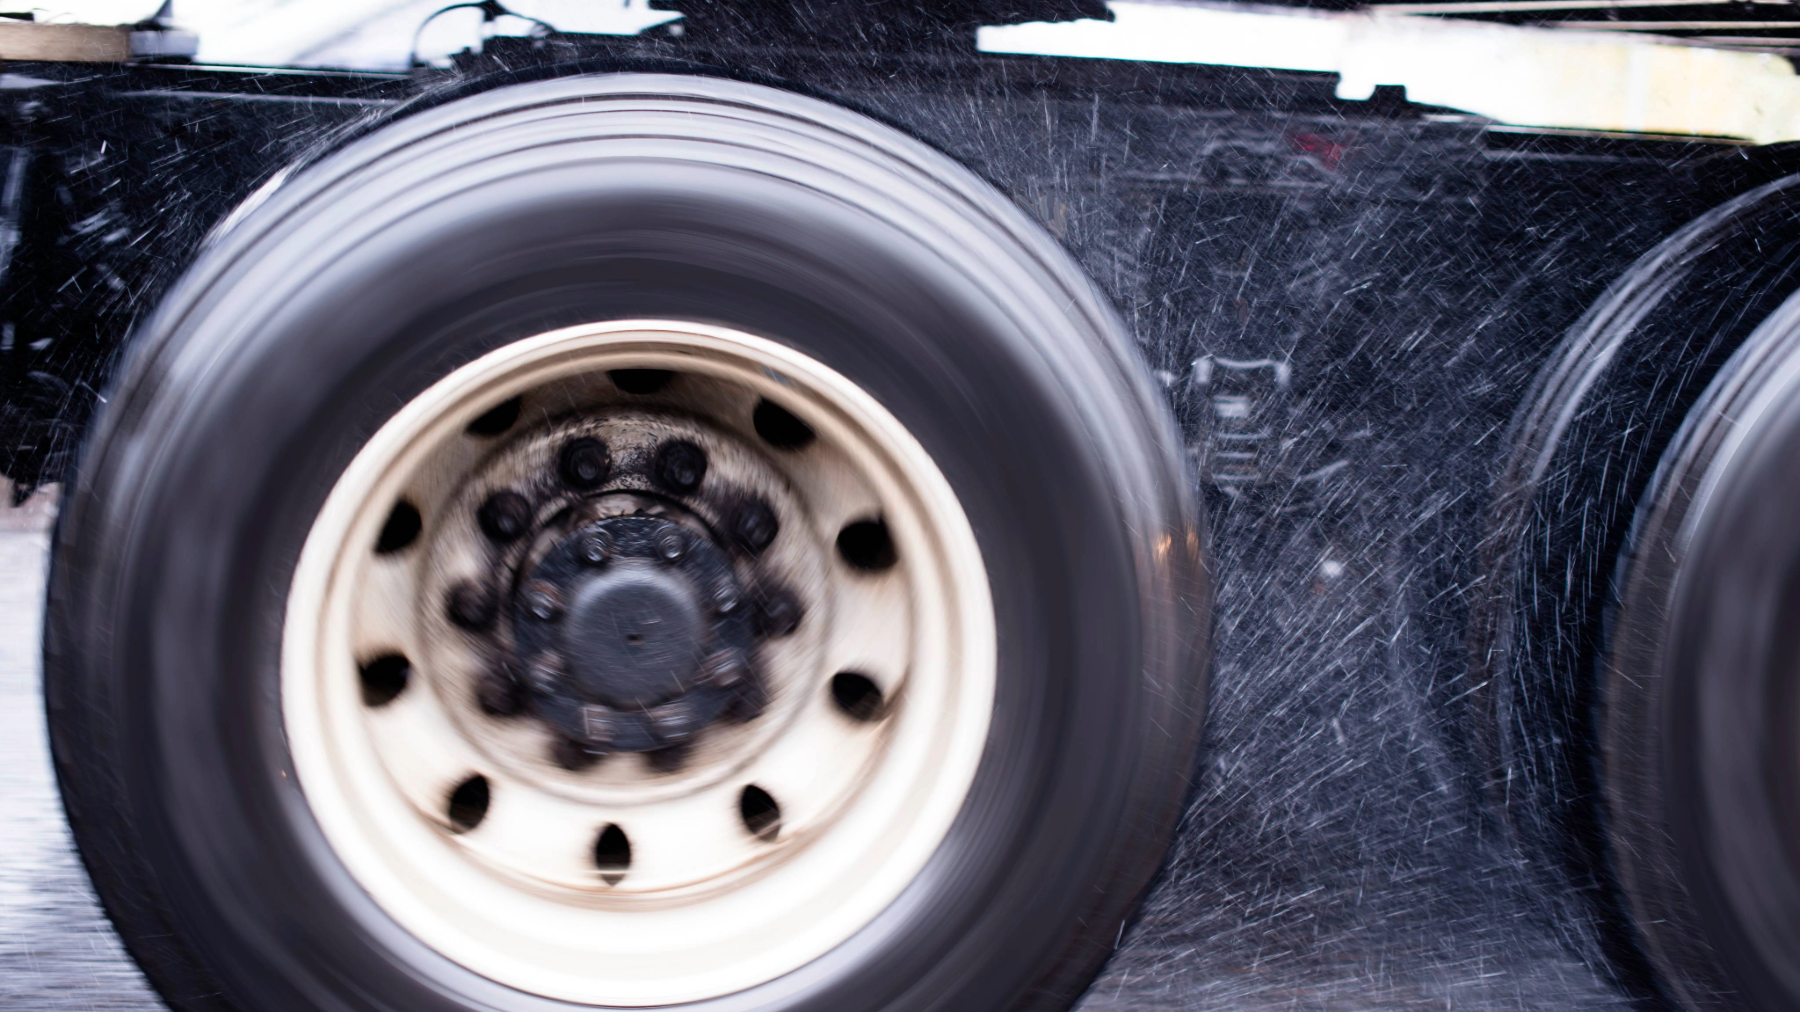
x,y
627,540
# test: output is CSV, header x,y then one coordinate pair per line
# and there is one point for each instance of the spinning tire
x,y
322,741
1637,440
1700,732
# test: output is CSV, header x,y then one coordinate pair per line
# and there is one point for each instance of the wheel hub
x,y
632,634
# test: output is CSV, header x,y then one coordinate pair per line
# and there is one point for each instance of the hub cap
x,y
633,636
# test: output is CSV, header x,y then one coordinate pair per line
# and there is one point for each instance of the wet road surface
x,y
57,951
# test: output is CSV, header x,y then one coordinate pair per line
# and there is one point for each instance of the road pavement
x,y
57,951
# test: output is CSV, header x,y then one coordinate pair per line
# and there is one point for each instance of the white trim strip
x,y
1522,76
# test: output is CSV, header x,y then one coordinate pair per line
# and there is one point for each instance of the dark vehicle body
x,y
1345,302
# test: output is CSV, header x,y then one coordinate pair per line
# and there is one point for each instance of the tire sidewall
x,y
1699,730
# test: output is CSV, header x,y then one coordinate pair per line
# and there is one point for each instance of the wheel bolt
x,y
597,724
747,703
498,693
671,545
584,464
594,548
725,669
575,755
754,526
545,671
679,466
673,721
777,613
669,758
543,600
469,606
504,517
726,599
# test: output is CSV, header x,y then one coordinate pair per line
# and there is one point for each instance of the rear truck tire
x,y
1598,768
1699,728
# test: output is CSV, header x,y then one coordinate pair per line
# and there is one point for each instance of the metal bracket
x,y
1238,444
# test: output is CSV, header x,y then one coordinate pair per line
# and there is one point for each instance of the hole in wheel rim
x,y
857,696
468,804
866,545
760,812
384,678
779,428
640,381
612,854
496,419
401,529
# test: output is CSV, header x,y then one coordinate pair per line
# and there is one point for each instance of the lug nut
x,y
543,600
679,466
584,464
469,606
725,669
575,755
671,545
747,703
545,672
594,548
499,693
669,758
726,599
597,724
504,517
673,721
754,526
777,613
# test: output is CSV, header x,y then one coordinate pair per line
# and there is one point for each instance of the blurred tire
x,y
338,295
1579,762
1700,721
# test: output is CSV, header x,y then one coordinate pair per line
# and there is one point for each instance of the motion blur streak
x,y
56,947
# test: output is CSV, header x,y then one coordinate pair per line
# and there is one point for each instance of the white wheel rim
x,y
705,908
